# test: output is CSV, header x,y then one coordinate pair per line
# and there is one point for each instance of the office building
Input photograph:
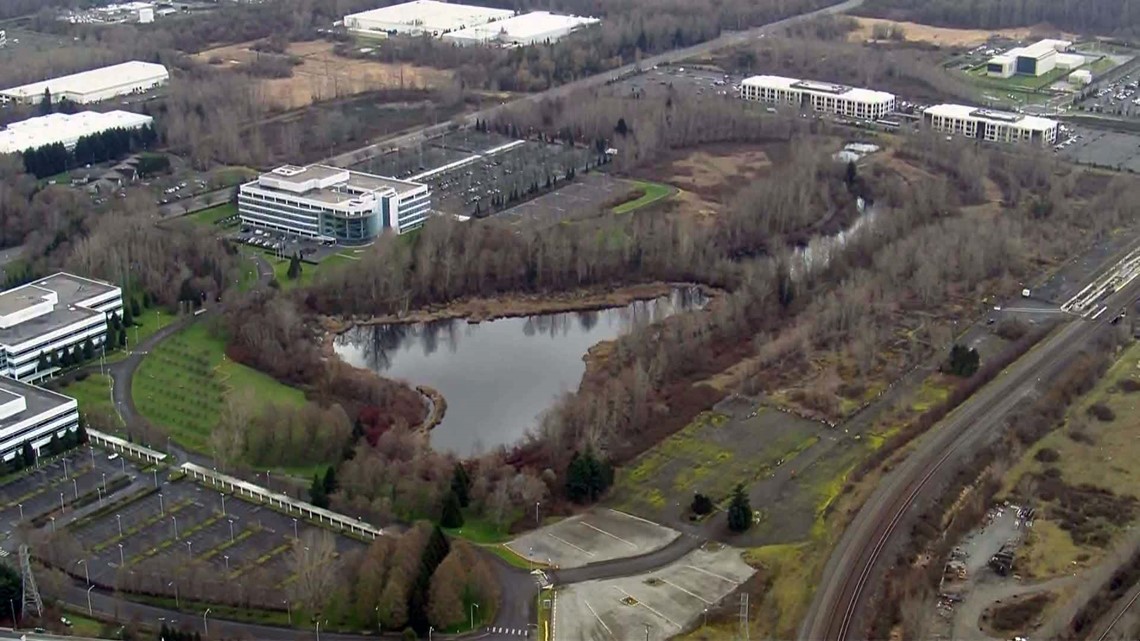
x,y
51,316
1036,59
92,86
332,204
65,128
990,125
421,17
30,414
818,96
536,27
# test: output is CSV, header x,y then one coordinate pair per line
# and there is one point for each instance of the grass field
x,y
92,393
482,531
215,214
653,193
182,385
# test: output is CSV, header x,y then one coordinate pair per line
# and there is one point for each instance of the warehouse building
x,y
990,125
65,128
535,27
332,204
50,316
818,96
1037,59
32,415
93,86
421,17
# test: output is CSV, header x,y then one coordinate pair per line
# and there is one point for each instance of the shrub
x,y
1128,385
702,504
1101,412
1011,329
1047,455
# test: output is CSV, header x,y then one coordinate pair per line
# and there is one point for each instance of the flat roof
x,y
432,15
20,298
1004,117
298,175
817,87
65,128
525,26
335,192
38,400
73,289
94,80
60,317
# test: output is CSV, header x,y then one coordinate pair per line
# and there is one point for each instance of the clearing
x,y
592,537
708,178
323,75
965,38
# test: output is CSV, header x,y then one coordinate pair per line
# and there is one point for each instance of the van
x,y
112,456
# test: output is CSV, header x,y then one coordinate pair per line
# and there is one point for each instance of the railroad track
x,y
858,557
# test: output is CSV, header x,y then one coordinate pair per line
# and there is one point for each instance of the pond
x,y
499,376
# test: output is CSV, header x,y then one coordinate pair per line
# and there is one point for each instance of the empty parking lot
x,y
598,535
663,603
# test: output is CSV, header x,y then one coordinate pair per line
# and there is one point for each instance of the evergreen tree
x,y
434,553
330,484
135,311
44,363
54,445
45,102
739,511
122,337
294,271
88,350
461,485
317,494
128,317
81,431
452,516
587,477
146,301
701,505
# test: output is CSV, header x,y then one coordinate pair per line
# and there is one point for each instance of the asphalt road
x,y
860,558
629,566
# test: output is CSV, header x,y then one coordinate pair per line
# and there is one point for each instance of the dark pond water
x,y
498,376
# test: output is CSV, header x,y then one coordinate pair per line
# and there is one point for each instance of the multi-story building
x,y
50,316
990,125
818,96
30,414
332,204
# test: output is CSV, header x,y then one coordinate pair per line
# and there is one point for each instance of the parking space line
x,y
612,536
591,608
562,540
722,578
692,594
642,604
630,516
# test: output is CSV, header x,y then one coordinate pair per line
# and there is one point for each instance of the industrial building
x,y
421,17
65,128
1081,77
1037,59
819,96
93,86
990,125
535,27
50,316
32,415
331,204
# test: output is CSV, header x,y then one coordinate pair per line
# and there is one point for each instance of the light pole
x,y
90,610
86,572
646,632
52,524
706,620
65,474
223,504
104,481
91,449
189,550
12,604
161,508
227,558
174,519
75,486
430,630
288,610
176,603
155,476
537,522
121,561
21,506
205,626
231,530
295,529
474,606
61,506
319,630
119,518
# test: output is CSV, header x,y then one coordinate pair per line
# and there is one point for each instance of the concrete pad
x,y
598,535
668,600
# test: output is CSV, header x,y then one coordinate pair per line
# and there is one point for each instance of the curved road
x,y
864,551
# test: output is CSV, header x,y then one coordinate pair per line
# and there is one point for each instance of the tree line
x,y
112,144
1102,17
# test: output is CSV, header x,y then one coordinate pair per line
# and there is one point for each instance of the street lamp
x,y
223,504
119,519
231,530
52,523
189,551
21,506
176,603
174,519
319,630
161,508
86,573
295,529
90,610
75,485
537,522
227,558
474,606
430,630
121,561
205,626
288,609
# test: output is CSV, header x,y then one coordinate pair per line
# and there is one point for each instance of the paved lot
x,y
1115,150
667,600
598,535
588,191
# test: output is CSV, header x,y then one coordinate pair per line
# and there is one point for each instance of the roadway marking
x,y
635,518
642,604
608,630
562,540
554,615
719,576
692,594
613,536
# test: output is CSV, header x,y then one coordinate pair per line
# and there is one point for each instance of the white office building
x,y
990,125
65,128
334,204
421,17
1036,59
536,27
30,414
818,96
93,86
51,316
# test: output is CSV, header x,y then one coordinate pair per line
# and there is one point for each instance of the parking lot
x,y
589,191
662,603
84,475
599,535
284,245
197,542
1111,149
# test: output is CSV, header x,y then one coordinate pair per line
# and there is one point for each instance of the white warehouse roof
x,y
424,16
93,82
65,128
820,88
528,28
965,112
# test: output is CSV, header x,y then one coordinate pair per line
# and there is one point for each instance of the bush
x,y
701,505
1128,385
1011,329
1047,455
1101,412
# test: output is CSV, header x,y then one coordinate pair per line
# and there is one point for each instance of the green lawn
x,y
1016,83
213,215
230,176
182,385
481,530
653,193
510,557
308,270
92,393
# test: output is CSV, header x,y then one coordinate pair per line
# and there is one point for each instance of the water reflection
x,y
498,376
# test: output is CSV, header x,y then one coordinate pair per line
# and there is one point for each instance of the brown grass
x,y
941,36
707,178
322,75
